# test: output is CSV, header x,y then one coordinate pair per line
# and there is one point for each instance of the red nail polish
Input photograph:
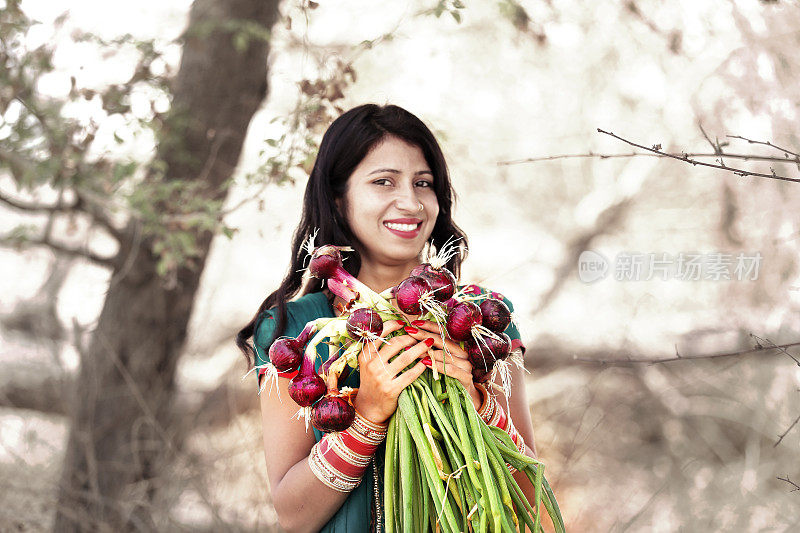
x,y
418,323
411,330
429,341
426,361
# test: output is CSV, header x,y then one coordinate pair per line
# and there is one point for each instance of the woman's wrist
x,y
340,459
367,410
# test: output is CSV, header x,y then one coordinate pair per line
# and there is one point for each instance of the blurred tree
x,y
161,216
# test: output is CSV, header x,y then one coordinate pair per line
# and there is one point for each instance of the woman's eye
x,y
424,183
382,181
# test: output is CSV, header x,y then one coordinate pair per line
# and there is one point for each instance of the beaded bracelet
x,y
339,459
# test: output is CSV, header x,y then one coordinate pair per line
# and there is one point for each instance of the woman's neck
x,y
380,277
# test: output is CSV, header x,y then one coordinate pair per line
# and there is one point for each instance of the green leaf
x,y
456,15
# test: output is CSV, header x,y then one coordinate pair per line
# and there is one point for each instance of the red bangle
x,y
340,459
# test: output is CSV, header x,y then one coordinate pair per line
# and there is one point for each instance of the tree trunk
x,y
122,436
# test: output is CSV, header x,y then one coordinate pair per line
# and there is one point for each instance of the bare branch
x,y
714,146
771,344
682,155
780,438
789,481
20,205
765,143
678,357
84,253
738,171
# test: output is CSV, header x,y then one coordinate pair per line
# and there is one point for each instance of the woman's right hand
x,y
382,381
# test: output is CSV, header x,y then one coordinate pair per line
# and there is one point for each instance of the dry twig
x,y
656,149
679,357
789,481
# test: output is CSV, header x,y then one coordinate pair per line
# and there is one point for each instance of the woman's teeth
x,y
400,227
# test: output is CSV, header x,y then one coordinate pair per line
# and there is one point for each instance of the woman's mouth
x,y
405,229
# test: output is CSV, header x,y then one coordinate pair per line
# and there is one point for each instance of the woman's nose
x,y
407,199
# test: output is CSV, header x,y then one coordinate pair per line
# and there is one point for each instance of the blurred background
x,y
150,181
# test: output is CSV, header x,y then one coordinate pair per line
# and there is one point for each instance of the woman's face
x,y
383,199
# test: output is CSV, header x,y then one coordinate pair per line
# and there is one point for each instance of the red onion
x,y
286,354
418,270
307,386
332,413
441,280
364,320
496,315
306,334
482,375
488,349
409,292
460,320
325,262
343,291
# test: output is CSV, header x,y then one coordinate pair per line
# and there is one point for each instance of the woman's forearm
x,y
302,502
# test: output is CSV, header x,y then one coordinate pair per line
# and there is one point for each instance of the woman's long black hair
x,y
345,144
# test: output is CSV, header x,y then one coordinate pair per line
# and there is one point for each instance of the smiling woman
x,y
380,188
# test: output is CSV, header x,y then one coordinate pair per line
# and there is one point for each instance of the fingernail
x,y
429,341
410,330
426,361
418,323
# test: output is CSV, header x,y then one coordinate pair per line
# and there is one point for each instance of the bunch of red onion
x,y
430,292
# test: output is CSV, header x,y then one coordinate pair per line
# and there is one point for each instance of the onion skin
x,y
496,315
332,413
307,386
408,293
286,354
441,280
482,375
488,350
419,270
325,262
460,320
366,320
306,389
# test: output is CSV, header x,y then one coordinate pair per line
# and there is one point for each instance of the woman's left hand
x,y
453,361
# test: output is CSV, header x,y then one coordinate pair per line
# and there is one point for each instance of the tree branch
x,y
21,205
765,143
62,249
656,149
94,209
780,438
745,157
790,482
679,357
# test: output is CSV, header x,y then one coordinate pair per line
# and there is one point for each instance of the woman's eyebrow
x,y
395,171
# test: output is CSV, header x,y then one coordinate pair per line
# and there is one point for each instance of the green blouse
x,y
357,513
